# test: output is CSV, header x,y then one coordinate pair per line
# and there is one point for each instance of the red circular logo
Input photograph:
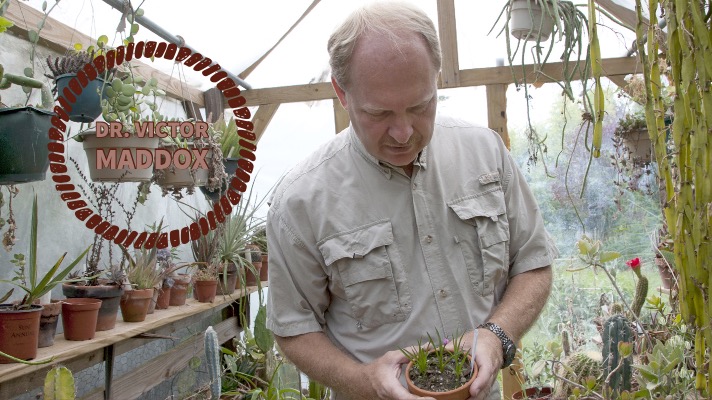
x,y
74,200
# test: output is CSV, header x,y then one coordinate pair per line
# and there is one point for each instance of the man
x,y
401,225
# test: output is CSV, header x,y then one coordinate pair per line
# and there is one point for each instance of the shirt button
x,y
428,239
443,293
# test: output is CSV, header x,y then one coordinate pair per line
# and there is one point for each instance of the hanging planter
x,y
96,146
174,178
87,106
527,20
23,144
230,168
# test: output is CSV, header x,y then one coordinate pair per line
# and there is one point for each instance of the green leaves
x,y
4,24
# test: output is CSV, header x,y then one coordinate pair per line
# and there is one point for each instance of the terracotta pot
x,y
79,316
110,296
264,276
533,394
205,290
134,304
93,145
48,322
182,178
461,393
164,298
226,282
19,332
252,277
152,303
179,290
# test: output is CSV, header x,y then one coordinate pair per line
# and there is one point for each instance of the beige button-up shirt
x,y
377,260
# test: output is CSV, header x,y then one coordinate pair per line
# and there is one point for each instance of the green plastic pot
x,y
87,107
23,144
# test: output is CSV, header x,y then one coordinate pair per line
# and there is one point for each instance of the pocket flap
x,y
487,204
356,243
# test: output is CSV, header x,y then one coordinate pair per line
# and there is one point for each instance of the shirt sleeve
x,y
531,246
298,292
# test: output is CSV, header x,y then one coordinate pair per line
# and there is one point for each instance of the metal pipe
x,y
155,28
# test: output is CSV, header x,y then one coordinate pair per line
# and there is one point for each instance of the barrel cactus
x,y
616,330
578,368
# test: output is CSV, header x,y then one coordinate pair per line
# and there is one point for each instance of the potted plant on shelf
x,y
438,370
259,239
205,282
20,322
87,106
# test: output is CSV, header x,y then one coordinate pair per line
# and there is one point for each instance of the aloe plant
x,y
33,285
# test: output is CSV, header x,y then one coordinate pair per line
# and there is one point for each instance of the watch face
x,y
509,353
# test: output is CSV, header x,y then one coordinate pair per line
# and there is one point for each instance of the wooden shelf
x,y
78,355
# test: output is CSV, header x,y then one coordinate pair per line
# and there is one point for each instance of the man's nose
x,y
401,129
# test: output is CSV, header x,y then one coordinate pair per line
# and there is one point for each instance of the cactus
x,y
212,355
577,368
616,330
616,308
565,342
641,292
59,384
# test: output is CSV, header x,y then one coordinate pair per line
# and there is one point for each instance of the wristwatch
x,y
509,349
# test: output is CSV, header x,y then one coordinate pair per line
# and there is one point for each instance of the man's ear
x,y
339,92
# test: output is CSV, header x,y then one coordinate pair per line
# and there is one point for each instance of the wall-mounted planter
x,y
92,144
23,144
87,106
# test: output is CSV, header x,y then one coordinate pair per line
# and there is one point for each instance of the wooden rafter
x,y
468,77
449,73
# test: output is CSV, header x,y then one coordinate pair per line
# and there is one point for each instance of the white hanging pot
x,y
528,22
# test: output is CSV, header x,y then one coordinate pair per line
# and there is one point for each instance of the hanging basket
x,y
93,145
527,21
230,168
638,145
23,144
174,178
87,106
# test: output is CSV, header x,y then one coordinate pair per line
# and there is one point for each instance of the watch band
x,y
508,347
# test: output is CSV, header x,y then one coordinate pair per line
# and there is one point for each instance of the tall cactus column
x,y
212,355
616,368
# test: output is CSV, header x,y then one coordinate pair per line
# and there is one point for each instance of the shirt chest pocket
x,y
366,259
483,237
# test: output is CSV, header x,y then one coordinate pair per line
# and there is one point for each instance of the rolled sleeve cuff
x,y
293,328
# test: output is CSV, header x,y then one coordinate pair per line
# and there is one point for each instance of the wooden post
x,y
447,30
214,104
497,111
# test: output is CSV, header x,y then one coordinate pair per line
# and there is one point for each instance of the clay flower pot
x,y
110,296
460,393
227,282
264,276
19,332
205,290
179,290
134,304
79,316
154,300
251,277
533,394
164,298
48,322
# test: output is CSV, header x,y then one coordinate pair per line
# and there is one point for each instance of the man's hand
x,y
488,356
384,374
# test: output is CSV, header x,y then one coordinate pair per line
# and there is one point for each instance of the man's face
x,y
391,98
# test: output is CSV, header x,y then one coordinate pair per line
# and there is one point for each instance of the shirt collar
x,y
385,168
